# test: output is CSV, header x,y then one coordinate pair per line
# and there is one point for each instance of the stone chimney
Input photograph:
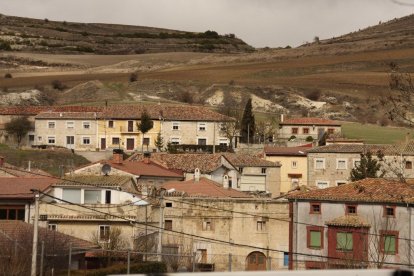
x,y
118,156
147,157
1,161
197,175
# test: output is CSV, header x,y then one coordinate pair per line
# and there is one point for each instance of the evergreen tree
x,y
368,168
159,142
145,125
248,126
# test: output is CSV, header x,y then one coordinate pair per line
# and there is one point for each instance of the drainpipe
x,y
410,237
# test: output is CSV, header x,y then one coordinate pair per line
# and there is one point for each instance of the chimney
x,y
118,156
1,161
282,118
147,157
197,175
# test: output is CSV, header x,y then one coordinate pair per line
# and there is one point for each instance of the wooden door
x,y
256,261
103,143
130,144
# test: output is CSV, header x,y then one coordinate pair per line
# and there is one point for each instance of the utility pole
x,y
35,235
146,232
42,256
161,226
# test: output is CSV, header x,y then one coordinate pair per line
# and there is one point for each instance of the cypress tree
x,y
368,168
145,125
248,126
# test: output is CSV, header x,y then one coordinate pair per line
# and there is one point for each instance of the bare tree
x,y
110,241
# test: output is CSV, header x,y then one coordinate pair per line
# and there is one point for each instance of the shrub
x,y
292,138
133,77
146,267
8,76
314,95
5,45
57,84
309,139
46,20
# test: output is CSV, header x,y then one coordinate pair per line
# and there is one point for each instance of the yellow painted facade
x,y
124,134
294,171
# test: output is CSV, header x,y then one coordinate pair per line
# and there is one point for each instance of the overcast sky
x,y
260,23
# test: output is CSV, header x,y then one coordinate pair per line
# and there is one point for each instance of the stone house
x,y
364,224
302,128
253,230
294,165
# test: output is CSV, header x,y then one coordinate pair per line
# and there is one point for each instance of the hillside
x,y
55,37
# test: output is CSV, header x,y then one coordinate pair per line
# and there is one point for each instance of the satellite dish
x,y
106,169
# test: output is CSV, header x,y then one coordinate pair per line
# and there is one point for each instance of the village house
x,y
364,224
294,165
205,210
307,129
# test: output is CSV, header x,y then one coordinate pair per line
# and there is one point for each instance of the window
x,y
104,233
115,140
223,142
51,124
12,213
202,126
331,130
408,165
294,164
86,125
92,196
322,184
389,242
261,225
351,209
305,130
31,138
146,141
202,141
356,162
175,125
207,225
344,241
108,197
341,182
295,130
130,126
263,170
389,211
168,224
51,140
86,140
168,204
72,195
315,237
175,141
70,124
285,258
341,164
315,208
240,169
319,163
110,124
70,140
52,227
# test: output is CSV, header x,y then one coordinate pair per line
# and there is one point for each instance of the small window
x,y
344,241
168,204
31,138
51,140
108,196
175,125
240,169
52,227
294,164
51,124
341,182
104,233
86,125
70,124
319,163
305,130
351,209
408,165
315,237
285,258
146,141
110,124
322,184
389,242
175,141
86,140
295,130
261,226
168,225
115,140
389,211
202,126
70,140
223,142
341,164
315,208
331,130
263,170
357,162
207,225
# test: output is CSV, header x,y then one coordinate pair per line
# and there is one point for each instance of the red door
x,y
130,144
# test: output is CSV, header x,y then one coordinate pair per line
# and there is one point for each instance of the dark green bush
x,y
5,46
309,139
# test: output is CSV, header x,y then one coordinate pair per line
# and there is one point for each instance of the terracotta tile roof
x,y
405,148
14,171
204,188
377,190
167,112
286,151
23,232
142,168
19,187
34,110
349,148
67,115
310,121
246,160
348,221
104,181
186,162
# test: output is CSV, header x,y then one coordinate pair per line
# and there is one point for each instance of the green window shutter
x,y
315,239
344,241
389,244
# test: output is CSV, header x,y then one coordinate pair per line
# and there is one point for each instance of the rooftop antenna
x,y
106,169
